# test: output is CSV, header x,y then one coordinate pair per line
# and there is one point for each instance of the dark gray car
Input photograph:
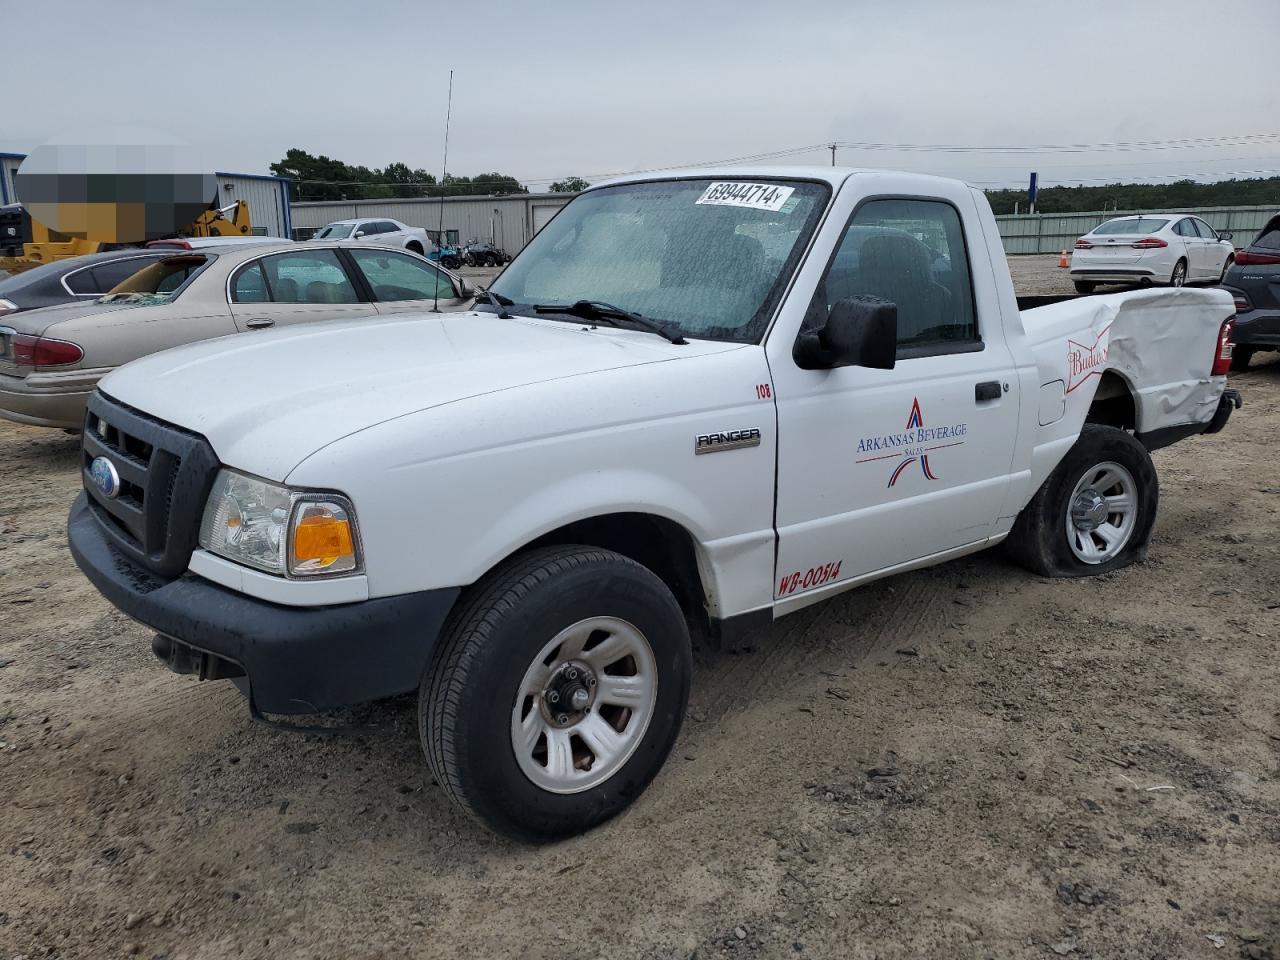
x,y
75,279
1254,281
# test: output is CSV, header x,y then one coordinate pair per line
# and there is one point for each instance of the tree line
x,y
1142,196
323,178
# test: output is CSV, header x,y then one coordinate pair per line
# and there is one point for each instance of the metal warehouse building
x,y
268,196
508,221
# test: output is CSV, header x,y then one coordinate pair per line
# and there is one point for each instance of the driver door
x,y
878,469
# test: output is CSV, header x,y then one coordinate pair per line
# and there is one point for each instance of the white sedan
x,y
1167,248
380,230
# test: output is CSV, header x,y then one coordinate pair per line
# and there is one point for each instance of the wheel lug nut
x,y
562,718
553,696
572,674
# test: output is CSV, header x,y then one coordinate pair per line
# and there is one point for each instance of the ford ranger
x,y
696,401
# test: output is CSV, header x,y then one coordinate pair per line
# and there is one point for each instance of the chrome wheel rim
x,y
1102,512
1179,274
584,705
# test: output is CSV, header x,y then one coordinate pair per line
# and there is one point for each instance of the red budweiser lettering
x,y
1083,361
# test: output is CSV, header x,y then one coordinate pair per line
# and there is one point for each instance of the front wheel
x,y
557,691
451,263
1179,276
1094,513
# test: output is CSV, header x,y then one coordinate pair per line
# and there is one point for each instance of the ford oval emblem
x,y
104,474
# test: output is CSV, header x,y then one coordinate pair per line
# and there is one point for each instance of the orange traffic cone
x,y
1064,259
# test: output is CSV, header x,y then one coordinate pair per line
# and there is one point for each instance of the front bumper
x,y
294,659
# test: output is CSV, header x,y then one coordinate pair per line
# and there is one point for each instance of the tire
x,y
1084,286
490,261
414,247
1240,357
472,714
1179,276
450,263
1227,265
1040,539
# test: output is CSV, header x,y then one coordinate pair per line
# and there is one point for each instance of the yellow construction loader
x,y
48,245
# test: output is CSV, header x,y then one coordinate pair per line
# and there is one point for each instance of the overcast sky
x,y
548,89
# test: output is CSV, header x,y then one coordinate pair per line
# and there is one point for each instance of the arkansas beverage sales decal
x,y
912,445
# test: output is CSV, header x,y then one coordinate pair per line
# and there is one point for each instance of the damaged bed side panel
x,y
1160,343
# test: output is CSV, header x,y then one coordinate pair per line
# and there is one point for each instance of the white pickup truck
x,y
695,402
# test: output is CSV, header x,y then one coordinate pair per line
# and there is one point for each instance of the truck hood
x,y
266,401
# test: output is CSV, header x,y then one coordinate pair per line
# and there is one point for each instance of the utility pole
x,y
832,147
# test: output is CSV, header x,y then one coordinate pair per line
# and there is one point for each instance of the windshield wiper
x,y
499,301
599,310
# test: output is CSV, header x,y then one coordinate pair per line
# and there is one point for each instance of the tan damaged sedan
x,y
50,359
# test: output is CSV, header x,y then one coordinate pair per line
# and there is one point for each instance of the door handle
x,y
257,323
988,390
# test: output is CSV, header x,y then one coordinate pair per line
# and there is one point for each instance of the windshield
x,y
334,231
709,257
1131,225
157,283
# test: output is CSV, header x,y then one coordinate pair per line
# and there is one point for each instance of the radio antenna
x,y
444,174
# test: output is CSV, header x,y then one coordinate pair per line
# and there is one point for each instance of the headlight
x,y
279,530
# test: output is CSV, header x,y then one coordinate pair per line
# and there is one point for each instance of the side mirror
x,y
357,235
465,290
1225,235
859,332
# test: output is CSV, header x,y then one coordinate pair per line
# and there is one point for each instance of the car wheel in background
x,y
451,263
1084,286
1094,513
414,247
1230,262
556,692
1240,357
1179,277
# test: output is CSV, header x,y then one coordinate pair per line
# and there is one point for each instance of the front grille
x,y
165,475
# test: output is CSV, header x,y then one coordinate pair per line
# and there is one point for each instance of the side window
x,y
82,282
394,276
312,276
249,287
912,253
386,226
368,229
1206,231
107,275
1185,229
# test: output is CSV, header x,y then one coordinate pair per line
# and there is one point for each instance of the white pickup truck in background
x,y
696,401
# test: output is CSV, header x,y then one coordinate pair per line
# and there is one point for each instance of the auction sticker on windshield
x,y
735,193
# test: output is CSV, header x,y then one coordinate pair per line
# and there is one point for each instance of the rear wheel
x,y
557,692
1094,513
1222,277
1240,357
1179,276
414,246
1085,286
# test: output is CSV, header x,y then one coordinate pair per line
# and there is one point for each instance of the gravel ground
x,y
966,761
